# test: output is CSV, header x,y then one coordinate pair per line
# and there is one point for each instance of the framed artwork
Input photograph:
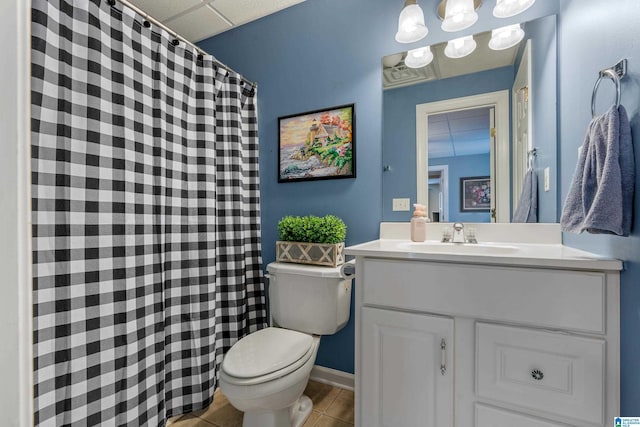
x,y
475,194
317,145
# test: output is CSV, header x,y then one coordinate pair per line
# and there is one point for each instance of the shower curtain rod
x,y
176,35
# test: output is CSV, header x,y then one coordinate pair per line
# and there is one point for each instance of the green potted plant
x,y
311,240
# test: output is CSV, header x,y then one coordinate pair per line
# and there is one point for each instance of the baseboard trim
x,y
332,377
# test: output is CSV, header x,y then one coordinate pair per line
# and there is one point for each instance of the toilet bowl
x,y
265,373
271,394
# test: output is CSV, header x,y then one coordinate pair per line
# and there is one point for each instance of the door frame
x,y
521,152
16,318
444,187
500,101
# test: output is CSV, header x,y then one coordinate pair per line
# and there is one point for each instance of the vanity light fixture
x,y
418,58
460,47
459,14
507,8
506,37
411,27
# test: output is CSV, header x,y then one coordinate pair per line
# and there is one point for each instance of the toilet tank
x,y
311,299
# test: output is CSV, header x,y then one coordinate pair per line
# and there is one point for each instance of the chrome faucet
x,y
458,233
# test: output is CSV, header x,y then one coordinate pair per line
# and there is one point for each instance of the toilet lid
x,y
265,351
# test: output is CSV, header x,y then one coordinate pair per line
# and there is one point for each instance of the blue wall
x,y
322,53
459,167
593,35
399,129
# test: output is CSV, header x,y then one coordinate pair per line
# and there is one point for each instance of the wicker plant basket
x,y
331,255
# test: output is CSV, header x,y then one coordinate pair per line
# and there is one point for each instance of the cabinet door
x,y
407,372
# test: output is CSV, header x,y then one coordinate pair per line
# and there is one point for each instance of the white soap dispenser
x,y
419,223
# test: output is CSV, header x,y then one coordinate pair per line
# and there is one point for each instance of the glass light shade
x,y
418,58
459,48
507,8
459,14
411,26
506,37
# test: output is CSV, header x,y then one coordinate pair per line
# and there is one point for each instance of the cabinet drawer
x,y
519,295
548,372
487,416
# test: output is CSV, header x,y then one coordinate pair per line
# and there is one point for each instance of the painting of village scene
x,y
317,145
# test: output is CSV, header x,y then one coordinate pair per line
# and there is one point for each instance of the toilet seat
x,y
265,355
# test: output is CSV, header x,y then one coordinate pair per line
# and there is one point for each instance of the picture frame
x,y
317,145
475,194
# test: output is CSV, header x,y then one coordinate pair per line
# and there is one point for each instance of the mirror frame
x,y
500,167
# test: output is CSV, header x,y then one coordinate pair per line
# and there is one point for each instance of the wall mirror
x,y
457,133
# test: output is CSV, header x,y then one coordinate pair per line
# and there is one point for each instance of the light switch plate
x,y
547,184
401,204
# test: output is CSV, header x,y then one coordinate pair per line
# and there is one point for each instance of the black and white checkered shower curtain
x,y
146,224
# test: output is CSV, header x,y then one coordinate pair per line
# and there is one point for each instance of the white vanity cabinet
x,y
497,343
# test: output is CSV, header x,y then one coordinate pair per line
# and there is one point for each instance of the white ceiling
x,y
197,20
459,133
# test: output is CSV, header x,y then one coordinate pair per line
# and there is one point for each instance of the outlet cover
x,y
401,204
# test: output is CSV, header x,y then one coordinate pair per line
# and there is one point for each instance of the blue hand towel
x,y
527,210
600,199
628,171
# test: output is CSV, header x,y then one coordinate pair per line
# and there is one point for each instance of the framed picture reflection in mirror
x,y
475,194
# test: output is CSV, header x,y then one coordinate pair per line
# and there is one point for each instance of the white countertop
x,y
505,254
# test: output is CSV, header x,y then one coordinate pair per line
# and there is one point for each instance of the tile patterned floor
x,y
332,407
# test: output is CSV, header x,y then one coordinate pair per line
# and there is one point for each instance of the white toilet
x,y
265,373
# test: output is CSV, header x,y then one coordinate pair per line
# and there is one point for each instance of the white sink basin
x,y
459,248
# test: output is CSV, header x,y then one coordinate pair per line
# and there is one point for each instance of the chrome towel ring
x,y
615,73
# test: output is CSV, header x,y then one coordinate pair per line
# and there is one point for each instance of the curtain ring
x,y
616,80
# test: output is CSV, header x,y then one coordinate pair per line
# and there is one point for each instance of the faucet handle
x,y
471,235
446,235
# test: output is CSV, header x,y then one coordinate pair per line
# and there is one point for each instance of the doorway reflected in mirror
x,y
459,146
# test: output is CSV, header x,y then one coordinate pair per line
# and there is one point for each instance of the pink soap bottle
x,y
419,223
